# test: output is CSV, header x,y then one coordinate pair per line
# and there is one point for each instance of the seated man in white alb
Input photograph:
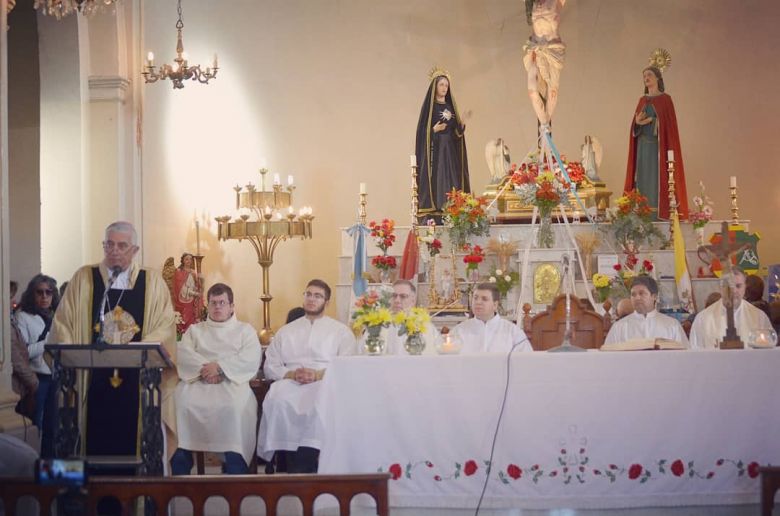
x,y
645,322
404,298
296,359
709,326
216,409
487,331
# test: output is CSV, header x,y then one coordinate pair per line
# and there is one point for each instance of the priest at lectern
x,y
137,308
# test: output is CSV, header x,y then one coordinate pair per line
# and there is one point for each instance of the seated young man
x,y
216,409
487,331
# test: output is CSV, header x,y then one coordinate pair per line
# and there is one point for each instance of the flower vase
x,y
386,276
375,342
700,236
473,275
545,237
415,344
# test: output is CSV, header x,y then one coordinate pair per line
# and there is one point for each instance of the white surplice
x,y
223,416
709,326
289,418
654,325
495,335
394,343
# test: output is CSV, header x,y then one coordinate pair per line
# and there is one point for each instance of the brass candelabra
x,y
266,218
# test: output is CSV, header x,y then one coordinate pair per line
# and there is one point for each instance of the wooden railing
x,y
198,489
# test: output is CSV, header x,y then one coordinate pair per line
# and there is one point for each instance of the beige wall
x,y
331,90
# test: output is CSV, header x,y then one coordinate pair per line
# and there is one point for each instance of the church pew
x,y
234,488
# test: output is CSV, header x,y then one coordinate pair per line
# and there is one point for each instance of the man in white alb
x,y
487,331
296,359
645,322
216,409
709,326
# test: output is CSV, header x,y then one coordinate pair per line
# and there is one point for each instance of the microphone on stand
x,y
113,275
567,345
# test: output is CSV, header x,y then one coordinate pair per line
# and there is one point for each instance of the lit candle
x,y
733,181
267,210
362,188
289,180
197,237
150,58
215,61
290,210
413,160
263,163
670,155
277,179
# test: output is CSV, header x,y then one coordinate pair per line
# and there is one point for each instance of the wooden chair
x,y
546,329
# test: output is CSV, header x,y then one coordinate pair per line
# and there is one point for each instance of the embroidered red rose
x,y
678,468
437,478
752,469
710,474
720,462
429,463
634,471
470,468
514,471
396,471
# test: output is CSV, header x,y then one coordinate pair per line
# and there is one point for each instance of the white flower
x,y
492,279
707,210
508,278
498,272
697,200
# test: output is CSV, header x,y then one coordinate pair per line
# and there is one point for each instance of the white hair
x,y
123,227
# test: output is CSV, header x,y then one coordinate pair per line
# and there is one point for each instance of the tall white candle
x,y
150,58
670,155
733,181
362,188
289,180
197,237
277,179
413,160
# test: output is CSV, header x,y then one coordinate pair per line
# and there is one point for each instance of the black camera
x,y
70,473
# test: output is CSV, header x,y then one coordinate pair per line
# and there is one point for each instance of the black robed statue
x,y
441,148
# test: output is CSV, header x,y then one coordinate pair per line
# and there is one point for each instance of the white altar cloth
x,y
585,430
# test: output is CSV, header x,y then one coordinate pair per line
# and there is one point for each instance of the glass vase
x,y
545,238
375,342
386,276
415,344
700,236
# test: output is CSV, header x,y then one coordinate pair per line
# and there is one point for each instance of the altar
x,y
589,430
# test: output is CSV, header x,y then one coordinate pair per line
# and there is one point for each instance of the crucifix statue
x,y
724,251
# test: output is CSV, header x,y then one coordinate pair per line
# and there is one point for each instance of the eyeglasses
x,y
219,304
402,297
109,245
315,295
45,292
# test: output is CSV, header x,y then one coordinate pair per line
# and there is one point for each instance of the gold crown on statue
x,y
660,58
437,71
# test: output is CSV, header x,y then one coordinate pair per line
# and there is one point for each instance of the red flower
x,y
470,468
678,468
710,474
720,462
437,478
617,267
596,472
514,471
554,474
634,471
396,471
752,469
647,265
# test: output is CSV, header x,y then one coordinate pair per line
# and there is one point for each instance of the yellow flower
x,y
623,201
600,280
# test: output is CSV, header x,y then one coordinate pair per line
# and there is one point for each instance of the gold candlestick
x,y
362,209
672,196
734,208
415,200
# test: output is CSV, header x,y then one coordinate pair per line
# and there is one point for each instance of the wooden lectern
x,y
150,358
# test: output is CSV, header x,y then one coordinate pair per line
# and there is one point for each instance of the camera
x,y
71,473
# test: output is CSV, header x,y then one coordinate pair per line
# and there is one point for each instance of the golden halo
x,y
437,71
660,58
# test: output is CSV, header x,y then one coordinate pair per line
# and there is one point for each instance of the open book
x,y
643,344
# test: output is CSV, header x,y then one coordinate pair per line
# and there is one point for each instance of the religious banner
x,y
747,258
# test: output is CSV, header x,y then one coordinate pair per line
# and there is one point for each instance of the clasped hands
x,y
211,373
304,375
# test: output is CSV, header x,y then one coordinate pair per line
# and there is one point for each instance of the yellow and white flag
x,y
681,275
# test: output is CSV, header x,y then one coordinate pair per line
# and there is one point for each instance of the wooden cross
x,y
724,252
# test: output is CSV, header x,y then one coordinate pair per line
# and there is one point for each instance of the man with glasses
x,y
137,308
216,410
296,359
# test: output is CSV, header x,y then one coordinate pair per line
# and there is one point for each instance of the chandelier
x,y
266,218
181,71
60,8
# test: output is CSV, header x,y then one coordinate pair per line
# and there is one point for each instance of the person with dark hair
x,y
709,327
645,322
24,381
653,134
296,359
754,293
295,313
34,318
487,331
216,410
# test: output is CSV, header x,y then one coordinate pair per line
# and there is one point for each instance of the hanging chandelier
x,y
181,71
60,8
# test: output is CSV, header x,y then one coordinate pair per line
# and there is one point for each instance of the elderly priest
x,y
216,410
645,322
709,326
296,358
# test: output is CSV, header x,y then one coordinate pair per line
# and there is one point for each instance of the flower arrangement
x,y
432,243
503,248
475,255
413,321
384,262
632,225
504,280
465,216
383,233
702,211
372,313
619,286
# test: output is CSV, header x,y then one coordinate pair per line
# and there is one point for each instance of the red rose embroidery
x,y
634,471
437,478
396,471
429,463
678,468
470,468
752,469
710,474
513,471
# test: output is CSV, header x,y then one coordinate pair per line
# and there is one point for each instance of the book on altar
x,y
643,344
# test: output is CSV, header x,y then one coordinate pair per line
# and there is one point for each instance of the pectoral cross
x,y
724,252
